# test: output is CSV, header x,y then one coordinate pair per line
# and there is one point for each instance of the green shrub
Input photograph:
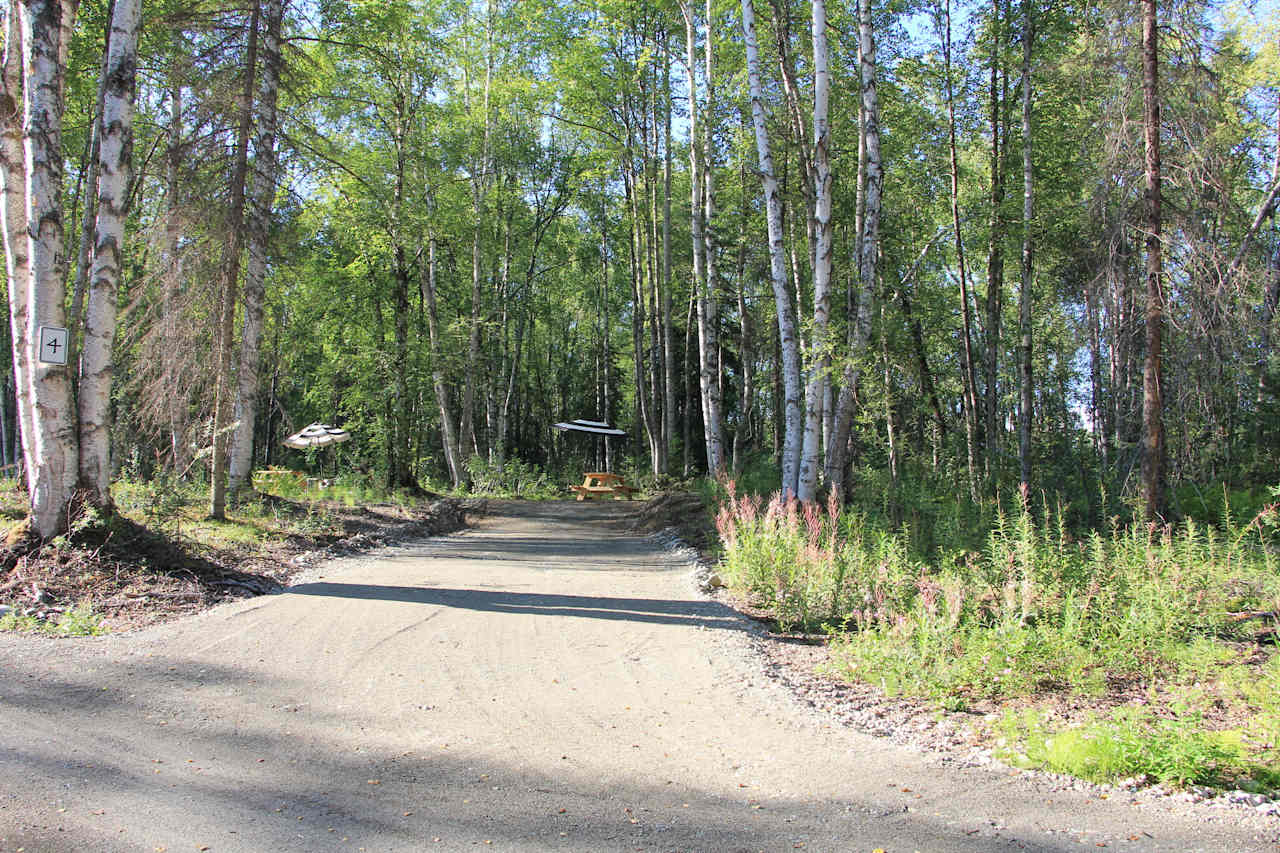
x,y
1034,608
80,621
514,478
1134,742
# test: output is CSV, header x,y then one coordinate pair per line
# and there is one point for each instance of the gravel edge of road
x,y
787,669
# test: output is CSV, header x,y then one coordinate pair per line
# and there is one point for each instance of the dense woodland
x,y
920,247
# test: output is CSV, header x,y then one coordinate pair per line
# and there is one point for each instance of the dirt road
x,y
543,681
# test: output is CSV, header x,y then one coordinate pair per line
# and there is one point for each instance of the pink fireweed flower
x,y
928,595
774,511
813,521
793,514
726,525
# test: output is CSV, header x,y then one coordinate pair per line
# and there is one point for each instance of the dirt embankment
x,y
132,576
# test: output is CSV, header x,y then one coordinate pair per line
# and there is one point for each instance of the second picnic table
x,y
602,483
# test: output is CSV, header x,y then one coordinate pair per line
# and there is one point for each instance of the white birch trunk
x,y
668,341
810,461
708,311
89,218
1026,397
54,438
860,329
697,228
448,427
115,162
13,184
788,337
261,201
480,178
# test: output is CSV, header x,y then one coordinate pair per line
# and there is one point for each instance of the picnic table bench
x,y
602,484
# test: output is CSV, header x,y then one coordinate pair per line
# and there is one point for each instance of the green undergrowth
x,y
79,621
1129,743
180,510
1039,610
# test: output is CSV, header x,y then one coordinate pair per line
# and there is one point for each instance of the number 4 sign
x,y
53,345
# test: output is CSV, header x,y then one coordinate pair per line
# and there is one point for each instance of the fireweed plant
x,y
1035,610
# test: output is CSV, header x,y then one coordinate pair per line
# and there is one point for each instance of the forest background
x,y
447,226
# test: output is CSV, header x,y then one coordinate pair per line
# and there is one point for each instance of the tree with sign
x,y
53,436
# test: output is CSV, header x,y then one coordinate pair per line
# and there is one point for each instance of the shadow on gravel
x,y
233,783
705,614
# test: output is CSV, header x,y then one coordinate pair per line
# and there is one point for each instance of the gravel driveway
x,y
543,681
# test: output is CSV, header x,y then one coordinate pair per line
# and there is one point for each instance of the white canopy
x,y
594,427
316,435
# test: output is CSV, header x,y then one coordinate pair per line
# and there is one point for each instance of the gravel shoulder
x,y
546,680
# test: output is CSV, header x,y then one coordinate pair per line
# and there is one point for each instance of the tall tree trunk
x,y
401,474
860,326
689,329
810,461
744,435
13,174
480,177
969,380
653,263
114,168
995,254
1152,391
787,333
1271,294
644,400
703,251
88,219
708,309
1024,293
231,277
668,336
1270,298
54,456
448,426
179,445
917,339
1097,405
262,201
890,432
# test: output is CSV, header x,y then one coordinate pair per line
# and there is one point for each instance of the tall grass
x,y
1033,608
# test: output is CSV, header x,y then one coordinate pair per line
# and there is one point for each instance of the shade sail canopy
x,y
593,427
316,435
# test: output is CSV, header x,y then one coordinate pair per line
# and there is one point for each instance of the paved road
x,y
540,682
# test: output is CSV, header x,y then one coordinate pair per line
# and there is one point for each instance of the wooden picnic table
x,y
603,484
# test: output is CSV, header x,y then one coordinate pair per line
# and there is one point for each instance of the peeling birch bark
x,y
115,164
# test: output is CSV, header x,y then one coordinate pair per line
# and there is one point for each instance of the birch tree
x,y
1026,392
995,250
787,333
115,162
13,175
869,243
53,435
448,425
969,380
820,220
702,202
